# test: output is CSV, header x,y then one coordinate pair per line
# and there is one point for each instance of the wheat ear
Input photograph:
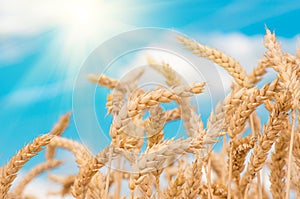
x,y
172,77
228,63
296,150
10,170
103,80
218,191
96,187
58,129
278,163
276,123
257,73
193,182
161,95
174,189
156,124
86,172
239,150
254,97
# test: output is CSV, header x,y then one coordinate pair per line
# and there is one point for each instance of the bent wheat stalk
x,y
35,172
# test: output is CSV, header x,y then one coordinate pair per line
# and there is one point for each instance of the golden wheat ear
x,y
232,66
58,130
11,169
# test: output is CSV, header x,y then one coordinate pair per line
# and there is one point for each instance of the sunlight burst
x,y
85,24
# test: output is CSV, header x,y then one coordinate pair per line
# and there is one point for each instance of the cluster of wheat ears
x,y
186,167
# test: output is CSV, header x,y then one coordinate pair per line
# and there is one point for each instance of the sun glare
x,y
85,19
79,15
85,24
80,18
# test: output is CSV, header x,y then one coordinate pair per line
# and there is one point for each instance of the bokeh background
x,y
43,44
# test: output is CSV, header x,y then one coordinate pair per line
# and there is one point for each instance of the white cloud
x,y
27,17
23,17
40,188
243,48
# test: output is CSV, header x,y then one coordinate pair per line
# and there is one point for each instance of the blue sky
x,y
43,45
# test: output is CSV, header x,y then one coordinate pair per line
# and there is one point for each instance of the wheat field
x,y
185,167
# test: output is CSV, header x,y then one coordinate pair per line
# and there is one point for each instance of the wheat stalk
x,y
35,172
66,182
80,152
